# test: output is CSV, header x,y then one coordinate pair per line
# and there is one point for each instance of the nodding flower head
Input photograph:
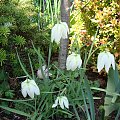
x,y
62,101
45,72
105,59
59,31
73,61
29,87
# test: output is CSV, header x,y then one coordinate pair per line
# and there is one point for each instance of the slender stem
x,y
49,57
35,105
89,55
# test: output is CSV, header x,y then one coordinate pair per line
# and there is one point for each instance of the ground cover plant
x,y
55,57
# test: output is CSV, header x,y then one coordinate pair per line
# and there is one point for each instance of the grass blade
x,y
15,111
23,68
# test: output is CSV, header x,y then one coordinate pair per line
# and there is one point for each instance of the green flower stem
x,y
90,52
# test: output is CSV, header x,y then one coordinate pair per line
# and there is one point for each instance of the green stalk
x,y
89,55
33,75
23,68
86,107
52,17
77,115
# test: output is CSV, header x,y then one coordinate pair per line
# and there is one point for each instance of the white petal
x,y
24,92
78,61
66,26
112,60
54,105
73,64
107,62
64,33
24,89
65,101
53,33
30,91
44,67
56,102
61,102
56,33
39,74
73,61
32,82
100,62
70,64
70,61
35,87
37,90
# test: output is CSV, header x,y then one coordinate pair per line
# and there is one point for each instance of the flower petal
x,y
37,90
56,102
30,91
24,92
54,105
78,61
112,61
100,61
61,102
107,61
73,61
65,101
35,87
24,88
39,74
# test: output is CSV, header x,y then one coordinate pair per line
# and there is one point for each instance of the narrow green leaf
x,y
77,115
116,79
33,75
23,68
111,88
84,100
15,111
90,98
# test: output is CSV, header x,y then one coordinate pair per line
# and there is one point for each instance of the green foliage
x,y
4,86
113,86
19,40
19,26
87,16
2,56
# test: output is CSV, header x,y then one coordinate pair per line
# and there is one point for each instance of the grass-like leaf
x,y
15,111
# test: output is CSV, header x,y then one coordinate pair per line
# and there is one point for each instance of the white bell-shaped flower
x,y
105,59
73,61
29,87
62,101
45,72
59,31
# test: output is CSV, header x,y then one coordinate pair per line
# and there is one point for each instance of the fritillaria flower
x,y
59,31
62,101
29,87
45,72
73,61
105,59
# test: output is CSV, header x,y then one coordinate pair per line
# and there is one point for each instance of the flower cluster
x,y
74,61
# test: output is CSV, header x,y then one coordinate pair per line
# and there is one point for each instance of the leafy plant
x,y
19,40
2,56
